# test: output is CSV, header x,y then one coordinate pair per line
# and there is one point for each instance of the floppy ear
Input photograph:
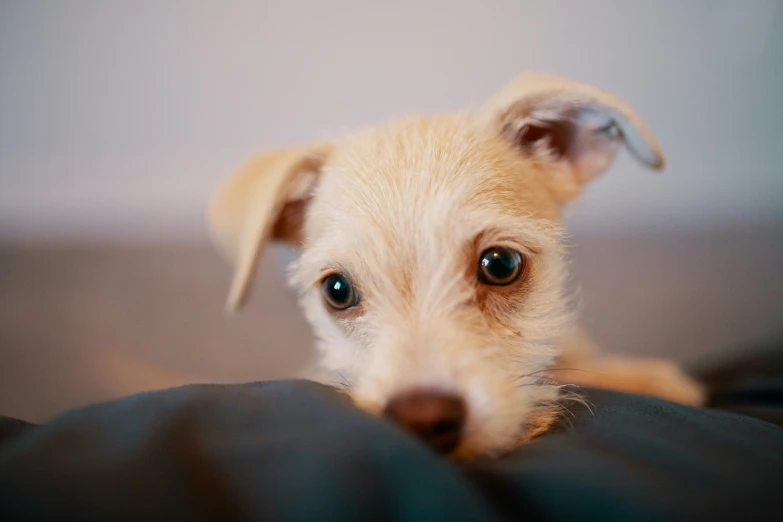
x,y
265,200
562,120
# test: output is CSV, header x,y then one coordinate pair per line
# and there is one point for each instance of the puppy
x,y
432,260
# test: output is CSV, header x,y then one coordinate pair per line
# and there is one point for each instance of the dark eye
x,y
339,292
500,266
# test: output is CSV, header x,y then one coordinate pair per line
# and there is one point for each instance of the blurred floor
x,y
85,323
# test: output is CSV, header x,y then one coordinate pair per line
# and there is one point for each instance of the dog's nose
x,y
434,416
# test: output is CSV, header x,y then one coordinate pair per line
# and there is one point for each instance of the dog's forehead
x,y
447,166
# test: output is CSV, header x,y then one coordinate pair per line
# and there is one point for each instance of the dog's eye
x,y
339,292
500,266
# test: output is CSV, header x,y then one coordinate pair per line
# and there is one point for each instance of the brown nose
x,y
435,417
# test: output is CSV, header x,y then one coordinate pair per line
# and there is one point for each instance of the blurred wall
x,y
119,118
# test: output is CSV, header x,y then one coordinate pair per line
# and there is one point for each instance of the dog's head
x,y
431,264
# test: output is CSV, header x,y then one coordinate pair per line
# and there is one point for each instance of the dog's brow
x,y
325,272
531,247
526,238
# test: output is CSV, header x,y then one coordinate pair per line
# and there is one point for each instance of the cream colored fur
x,y
404,210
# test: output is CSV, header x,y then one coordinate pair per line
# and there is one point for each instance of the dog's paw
x,y
655,377
665,379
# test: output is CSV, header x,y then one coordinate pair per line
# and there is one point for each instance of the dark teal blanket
x,y
293,450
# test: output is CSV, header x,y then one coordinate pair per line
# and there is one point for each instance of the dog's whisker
x,y
339,387
579,399
345,381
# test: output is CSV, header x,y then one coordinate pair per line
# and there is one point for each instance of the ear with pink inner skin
x,y
566,121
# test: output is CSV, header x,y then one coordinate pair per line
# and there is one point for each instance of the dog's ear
x,y
561,120
266,200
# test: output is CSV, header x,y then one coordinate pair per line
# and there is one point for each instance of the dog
x,y
432,260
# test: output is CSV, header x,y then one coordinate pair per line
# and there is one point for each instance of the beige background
x,y
119,118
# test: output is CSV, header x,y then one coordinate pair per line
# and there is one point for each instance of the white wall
x,y
121,117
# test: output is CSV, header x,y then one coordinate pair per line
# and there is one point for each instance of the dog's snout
x,y
436,417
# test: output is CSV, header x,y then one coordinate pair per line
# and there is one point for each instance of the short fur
x,y
405,210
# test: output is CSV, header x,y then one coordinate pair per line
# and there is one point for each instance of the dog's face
x,y
431,264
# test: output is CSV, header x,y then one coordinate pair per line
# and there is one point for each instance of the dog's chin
x,y
507,435
476,448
